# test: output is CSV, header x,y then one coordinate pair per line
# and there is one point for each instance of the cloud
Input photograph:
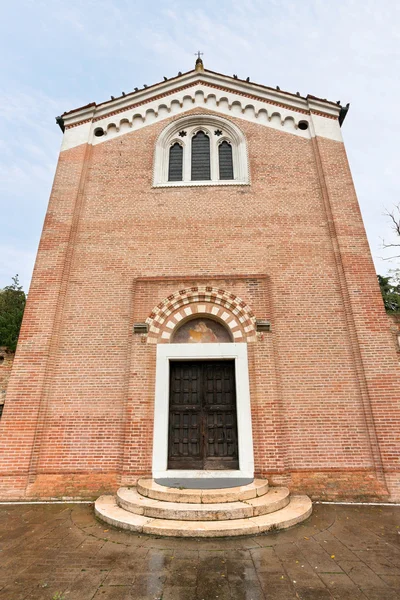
x,y
65,54
29,145
15,261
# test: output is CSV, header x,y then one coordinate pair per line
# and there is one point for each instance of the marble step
x,y
151,489
298,509
275,499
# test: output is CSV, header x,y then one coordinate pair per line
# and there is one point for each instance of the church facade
x,y
203,305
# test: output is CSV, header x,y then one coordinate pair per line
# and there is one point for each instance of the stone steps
x,y
245,510
132,501
151,489
298,509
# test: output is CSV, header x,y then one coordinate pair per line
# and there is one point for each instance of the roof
x,y
208,77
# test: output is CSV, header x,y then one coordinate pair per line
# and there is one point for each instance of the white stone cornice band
x,y
81,125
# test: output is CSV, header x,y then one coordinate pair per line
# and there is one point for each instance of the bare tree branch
x,y
394,216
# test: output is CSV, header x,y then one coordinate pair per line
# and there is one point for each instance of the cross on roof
x,y
198,54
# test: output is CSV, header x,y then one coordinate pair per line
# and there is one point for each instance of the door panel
x,y
220,448
185,416
202,425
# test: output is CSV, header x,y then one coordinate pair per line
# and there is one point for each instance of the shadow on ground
x,y
61,552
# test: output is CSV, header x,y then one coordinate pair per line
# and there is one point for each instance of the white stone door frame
x,y
168,352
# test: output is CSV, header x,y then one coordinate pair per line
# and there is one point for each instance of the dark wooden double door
x,y
202,415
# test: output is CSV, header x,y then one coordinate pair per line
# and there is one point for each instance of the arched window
x,y
201,150
225,160
201,168
175,166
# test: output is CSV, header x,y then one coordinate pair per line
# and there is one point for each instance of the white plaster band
x,y
216,92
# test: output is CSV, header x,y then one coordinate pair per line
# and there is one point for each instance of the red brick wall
x,y
324,381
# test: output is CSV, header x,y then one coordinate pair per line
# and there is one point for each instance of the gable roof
x,y
212,79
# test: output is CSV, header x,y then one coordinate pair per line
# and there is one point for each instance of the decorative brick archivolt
x,y
188,303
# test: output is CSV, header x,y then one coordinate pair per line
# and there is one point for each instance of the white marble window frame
x,y
171,352
207,124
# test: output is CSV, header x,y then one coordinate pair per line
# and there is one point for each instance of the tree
x,y
390,293
12,305
394,216
390,285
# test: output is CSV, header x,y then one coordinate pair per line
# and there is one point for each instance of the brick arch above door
x,y
214,302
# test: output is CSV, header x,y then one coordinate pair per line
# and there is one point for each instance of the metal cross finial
x,y
198,54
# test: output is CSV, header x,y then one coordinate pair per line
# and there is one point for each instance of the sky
x,y
56,55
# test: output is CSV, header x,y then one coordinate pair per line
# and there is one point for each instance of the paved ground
x,y
60,552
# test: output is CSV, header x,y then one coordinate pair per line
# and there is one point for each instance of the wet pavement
x,y
61,552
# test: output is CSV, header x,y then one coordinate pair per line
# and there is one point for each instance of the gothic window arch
x,y
175,164
201,150
225,160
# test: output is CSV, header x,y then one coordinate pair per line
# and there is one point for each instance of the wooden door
x,y
202,415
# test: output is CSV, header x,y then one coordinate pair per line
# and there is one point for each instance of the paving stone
x,y
366,579
148,586
312,593
379,594
303,577
262,566
113,593
277,587
186,553
334,546
265,559
317,556
392,581
83,585
382,565
210,589
247,590
120,575
342,587
179,593
240,570
237,554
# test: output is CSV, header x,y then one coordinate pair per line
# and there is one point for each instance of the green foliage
x,y
12,305
390,288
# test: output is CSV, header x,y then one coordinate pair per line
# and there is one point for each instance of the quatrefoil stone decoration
x,y
218,132
182,133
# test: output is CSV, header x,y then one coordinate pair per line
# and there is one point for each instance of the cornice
x,y
303,105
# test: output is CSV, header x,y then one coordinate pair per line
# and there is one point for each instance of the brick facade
x,y
290,246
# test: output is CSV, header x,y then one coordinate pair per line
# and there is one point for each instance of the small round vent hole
x,y
303,125
99,132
